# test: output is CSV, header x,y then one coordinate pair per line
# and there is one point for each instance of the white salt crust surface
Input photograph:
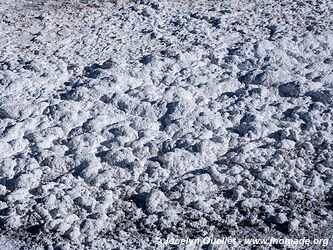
x,y
123,123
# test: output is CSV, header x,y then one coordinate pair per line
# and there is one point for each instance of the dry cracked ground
x,y
123,123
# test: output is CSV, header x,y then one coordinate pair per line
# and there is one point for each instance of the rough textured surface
x,y
122,123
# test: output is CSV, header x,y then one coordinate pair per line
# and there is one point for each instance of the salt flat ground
x,y
123,123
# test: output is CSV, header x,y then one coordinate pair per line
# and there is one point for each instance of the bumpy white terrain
x,y
123,123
